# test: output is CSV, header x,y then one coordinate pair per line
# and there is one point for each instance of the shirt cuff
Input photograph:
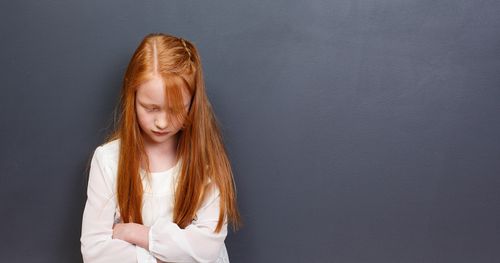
x,y
144,256
151,241
155,243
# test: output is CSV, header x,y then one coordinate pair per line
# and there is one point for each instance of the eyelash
x,y
153,109
150,110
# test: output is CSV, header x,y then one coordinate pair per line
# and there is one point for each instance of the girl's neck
x,y
162,156
167,149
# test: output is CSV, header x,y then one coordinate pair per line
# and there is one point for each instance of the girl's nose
x,y
161,123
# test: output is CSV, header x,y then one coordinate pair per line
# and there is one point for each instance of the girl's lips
x,y
160,133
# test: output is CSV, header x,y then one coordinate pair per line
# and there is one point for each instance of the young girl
x,y
161,187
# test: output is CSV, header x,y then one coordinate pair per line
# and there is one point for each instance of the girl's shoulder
x,y
108,152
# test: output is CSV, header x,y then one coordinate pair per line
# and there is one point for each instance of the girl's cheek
x,y
150,119
145,119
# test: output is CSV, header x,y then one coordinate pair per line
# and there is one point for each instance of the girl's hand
x,y
122,231
133,233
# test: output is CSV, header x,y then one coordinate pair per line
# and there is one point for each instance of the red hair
x,y
200,145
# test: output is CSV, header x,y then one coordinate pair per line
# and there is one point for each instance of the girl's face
x,y
152,111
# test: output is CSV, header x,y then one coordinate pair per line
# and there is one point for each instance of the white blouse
x,y
167,242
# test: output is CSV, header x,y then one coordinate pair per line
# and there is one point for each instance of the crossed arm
x,y
104,241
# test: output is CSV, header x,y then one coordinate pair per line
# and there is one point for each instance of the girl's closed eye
x,y
151,109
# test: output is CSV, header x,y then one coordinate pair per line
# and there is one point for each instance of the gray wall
x,y
359,131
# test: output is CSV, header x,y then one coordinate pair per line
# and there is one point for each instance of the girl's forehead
x,y
153,91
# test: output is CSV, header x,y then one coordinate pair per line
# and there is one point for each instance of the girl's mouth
x,y
160,133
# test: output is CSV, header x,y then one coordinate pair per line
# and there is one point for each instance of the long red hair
x,y
200,145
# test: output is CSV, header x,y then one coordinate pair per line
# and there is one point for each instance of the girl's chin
x,y
160,138
153,138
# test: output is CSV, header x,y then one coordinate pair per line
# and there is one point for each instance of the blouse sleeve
x,y
197,242
97,244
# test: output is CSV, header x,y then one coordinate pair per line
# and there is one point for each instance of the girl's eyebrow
x,y
149,104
